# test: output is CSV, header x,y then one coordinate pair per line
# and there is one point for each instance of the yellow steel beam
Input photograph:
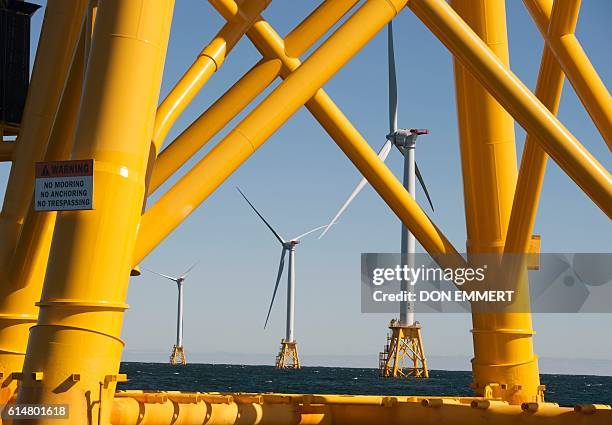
x,y
522,104
83,300
504,365
356,148
315,25
173,156
90,19
560,38
208,61
244,91
179,408
349,140
58,39
533,162
229,7
6,151
21,286
251,132
335,123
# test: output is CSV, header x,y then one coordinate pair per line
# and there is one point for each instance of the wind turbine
x,y
178,353
288,357
404,343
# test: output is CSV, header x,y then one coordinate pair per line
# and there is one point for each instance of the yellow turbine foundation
x,y
178,356
288,357
403,355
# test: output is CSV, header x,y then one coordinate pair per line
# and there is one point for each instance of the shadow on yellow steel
x,y
59,36
74,350
178,408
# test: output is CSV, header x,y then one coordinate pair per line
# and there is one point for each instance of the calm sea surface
x,y
567,390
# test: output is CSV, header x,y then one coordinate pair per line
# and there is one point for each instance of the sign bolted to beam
x,y
64,185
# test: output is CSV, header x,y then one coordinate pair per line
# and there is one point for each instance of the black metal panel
x,y
14,57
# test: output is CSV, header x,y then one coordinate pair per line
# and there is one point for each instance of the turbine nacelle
x,y
406,138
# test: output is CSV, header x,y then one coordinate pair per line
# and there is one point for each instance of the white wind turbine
x,y
288,345
178,352
405,141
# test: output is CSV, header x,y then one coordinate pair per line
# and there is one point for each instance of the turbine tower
x,y
287,357
403,354
178,352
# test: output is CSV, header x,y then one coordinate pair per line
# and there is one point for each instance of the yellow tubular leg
x,y
574,61
489,137
250,133
556,140
503,346
79,325
212,120
209,60
533,166
21,286
533,162
59,36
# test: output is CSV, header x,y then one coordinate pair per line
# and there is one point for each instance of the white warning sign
x,y
64,185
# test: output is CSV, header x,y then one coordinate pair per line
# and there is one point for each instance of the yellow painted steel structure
x,y
6,151
59,35
488,158
288,356
131,407
562,42
178,356
79,325
64,276
403,355
22,283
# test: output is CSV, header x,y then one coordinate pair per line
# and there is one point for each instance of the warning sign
x,y
64,185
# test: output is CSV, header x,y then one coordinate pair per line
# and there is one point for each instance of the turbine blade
x,y
297,238
422,182
280,239
392,80
382,154
174,279
184,275
278,278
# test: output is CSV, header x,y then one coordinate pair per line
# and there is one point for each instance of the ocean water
x,y
567,390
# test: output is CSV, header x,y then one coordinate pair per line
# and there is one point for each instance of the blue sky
x,y
299,178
